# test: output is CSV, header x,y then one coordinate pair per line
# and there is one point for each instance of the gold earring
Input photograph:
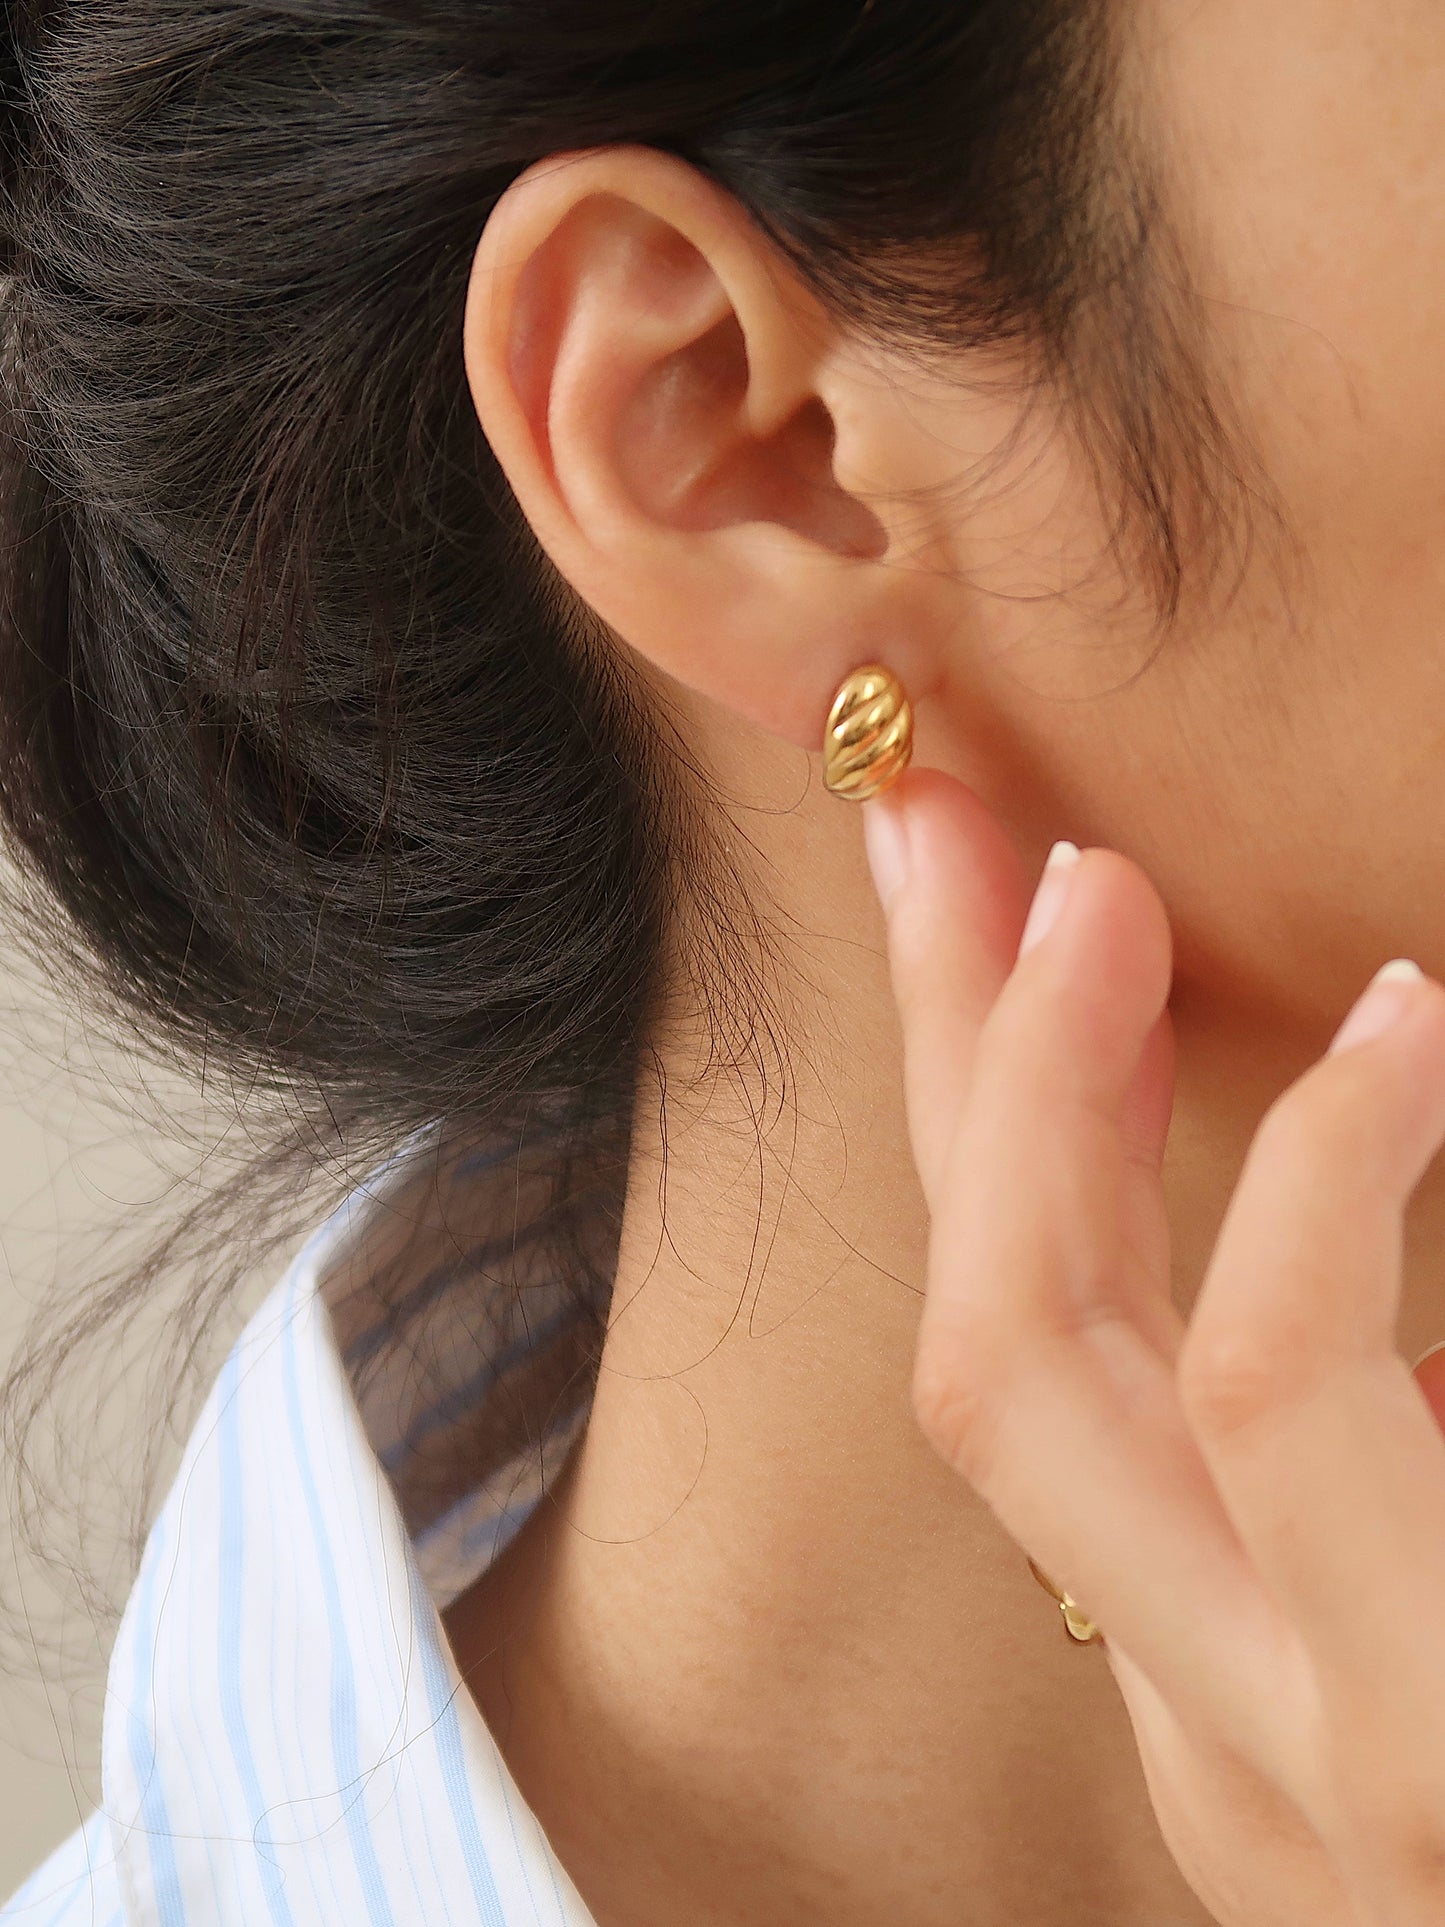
x,y
868,740
1077,1622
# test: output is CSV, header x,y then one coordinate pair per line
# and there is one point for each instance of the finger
x,y
1201,1790
953,931
1149,1101
952,946
1035,1377
1429,1375
1324,1449
1144,1220
1072,1071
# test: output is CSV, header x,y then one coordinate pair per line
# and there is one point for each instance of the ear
x,y
673,410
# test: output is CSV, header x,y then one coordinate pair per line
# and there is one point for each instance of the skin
x,y
772,1652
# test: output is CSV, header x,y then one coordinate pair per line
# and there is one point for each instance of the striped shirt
x,y
287,1741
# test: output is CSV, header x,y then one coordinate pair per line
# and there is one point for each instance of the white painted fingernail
x,y
1051,895
1386,998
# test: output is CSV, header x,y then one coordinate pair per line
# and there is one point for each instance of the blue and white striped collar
x,y
287,1740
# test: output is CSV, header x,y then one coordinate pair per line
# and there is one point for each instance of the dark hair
x,y
334,778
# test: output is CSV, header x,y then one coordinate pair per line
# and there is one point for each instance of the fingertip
x,y
959,842
1392,993
1134,932
886,840
1055,887
937,849
1105,969
1428,1372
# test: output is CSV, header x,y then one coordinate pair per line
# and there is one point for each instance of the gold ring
x,y
1077,1622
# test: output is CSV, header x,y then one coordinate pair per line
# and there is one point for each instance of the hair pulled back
x,y
332,775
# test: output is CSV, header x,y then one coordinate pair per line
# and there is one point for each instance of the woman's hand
x,y
1251,1506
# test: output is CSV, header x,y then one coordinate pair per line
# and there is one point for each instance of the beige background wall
x,y
48,1180
81,1154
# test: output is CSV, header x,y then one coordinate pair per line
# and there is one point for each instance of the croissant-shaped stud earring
x,y
868,741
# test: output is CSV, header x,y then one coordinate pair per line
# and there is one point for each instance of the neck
x,y
763,1656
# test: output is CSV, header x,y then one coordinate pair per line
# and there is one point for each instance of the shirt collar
x,y
287,1740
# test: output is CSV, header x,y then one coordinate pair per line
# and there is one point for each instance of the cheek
x,y
1349,422
1303,151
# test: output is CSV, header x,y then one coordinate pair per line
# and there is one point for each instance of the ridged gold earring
x,y
868,740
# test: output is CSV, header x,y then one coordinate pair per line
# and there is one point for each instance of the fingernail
x,y
1386,998
885,837
1429,1352
1050,897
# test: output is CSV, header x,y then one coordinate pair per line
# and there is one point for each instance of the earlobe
x,y
656,393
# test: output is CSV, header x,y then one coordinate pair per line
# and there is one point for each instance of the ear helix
x,y
868,739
